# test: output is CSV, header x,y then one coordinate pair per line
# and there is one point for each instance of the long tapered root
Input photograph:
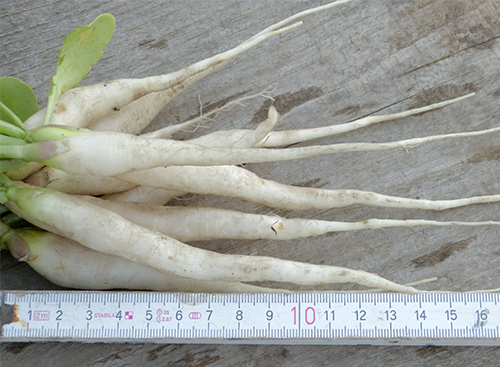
x,y
274,139
160,185
60,260
110,154
188,224
112,234
221,181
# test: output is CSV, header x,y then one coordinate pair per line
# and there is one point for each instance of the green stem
x,y
18,191
50,109
17,121
24,152
6,128
55,132
5,232
12,156
3,210
35,152
7,165
3,196
4,228
9,140
16,222
12,220
5,182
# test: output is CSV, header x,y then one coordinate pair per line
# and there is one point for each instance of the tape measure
x,y
298,318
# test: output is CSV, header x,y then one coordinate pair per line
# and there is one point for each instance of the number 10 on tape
x,y
305,318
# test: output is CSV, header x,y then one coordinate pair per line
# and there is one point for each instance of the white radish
x,y
227,138
75,183
221,139
121,162
119,190
104,231
188,224
91,185
82,106
130,118
67,263
252,137
160,185
143,194
133,117
112,153
239,183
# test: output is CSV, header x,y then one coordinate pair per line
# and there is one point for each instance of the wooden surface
x,y
367,57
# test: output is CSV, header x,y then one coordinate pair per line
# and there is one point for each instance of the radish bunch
x,y
95,189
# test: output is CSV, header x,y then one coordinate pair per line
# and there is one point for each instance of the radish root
x,y
128,242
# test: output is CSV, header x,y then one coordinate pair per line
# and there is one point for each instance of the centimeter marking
x,y
297,318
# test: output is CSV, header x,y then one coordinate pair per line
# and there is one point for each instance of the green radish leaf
x,y
19,98
82,48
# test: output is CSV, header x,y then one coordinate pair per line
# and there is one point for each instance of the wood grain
x,y
367,57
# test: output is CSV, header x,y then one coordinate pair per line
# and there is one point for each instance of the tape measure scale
x,y
298,318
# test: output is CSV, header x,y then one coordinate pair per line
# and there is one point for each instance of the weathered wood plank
x,y
364,58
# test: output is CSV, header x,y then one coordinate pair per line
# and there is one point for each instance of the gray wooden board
x,y
367,57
